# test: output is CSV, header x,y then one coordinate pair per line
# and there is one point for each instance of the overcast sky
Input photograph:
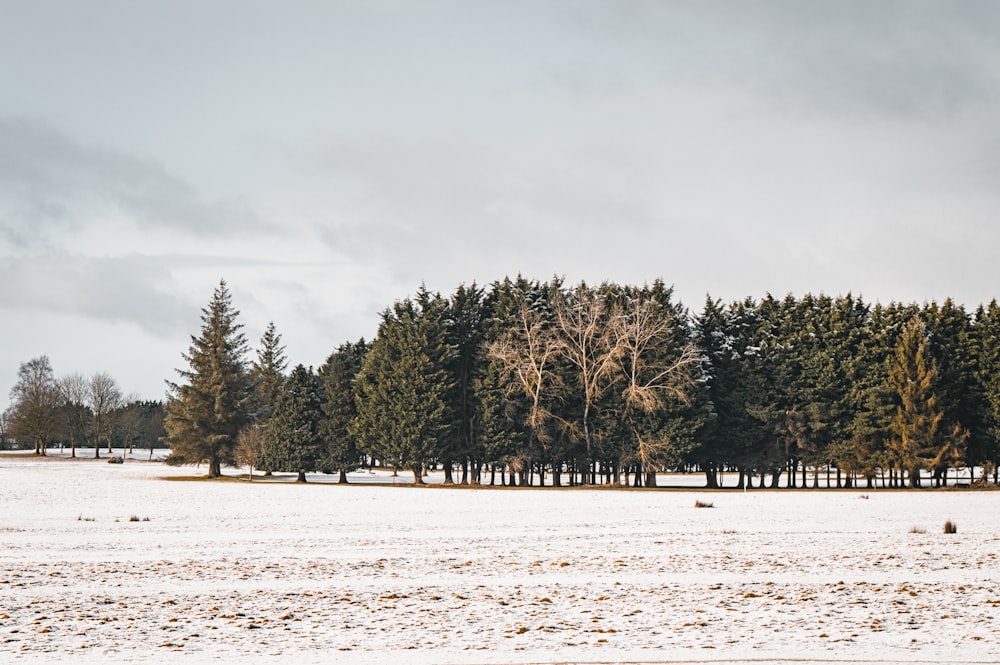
x,y
326,158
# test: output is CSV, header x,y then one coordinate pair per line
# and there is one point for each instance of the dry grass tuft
x,y
950,527
917,529
703,504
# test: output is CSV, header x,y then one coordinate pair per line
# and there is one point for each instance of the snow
x,y
250,572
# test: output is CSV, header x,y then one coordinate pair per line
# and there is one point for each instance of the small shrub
x,y
135,518
81,518
950,527
703,504
863,496
917,529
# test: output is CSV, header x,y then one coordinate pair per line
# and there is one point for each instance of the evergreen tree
x,y
293,438
338,375
986,448
952,345
466,314
404,386
267,373
917,443
207,410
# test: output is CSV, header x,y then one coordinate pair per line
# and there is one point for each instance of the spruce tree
x,y
206,411
338,375
293,438
404,386
267,374
917,443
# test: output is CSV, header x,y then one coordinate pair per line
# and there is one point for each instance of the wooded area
x,y
533,383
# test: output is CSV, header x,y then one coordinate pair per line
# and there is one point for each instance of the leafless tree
x,y
526,356
35,399
656,364
589,344
105,397
74,392
249,443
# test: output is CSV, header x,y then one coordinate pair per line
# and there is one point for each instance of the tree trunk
x,y
301,478
651,478
711,481
343,476
418,478
448,478
214,468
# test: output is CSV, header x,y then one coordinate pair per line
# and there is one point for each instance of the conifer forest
x,y
536,383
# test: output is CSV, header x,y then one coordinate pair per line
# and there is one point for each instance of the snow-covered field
x,y
238,572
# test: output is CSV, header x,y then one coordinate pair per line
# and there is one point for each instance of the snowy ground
x,y
238,572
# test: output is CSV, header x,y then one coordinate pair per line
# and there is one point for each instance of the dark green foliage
x,y
293,438
338,375
404,416
206,411
267,373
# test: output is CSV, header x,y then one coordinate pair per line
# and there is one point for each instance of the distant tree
x,y
293,440
338,375
35,398
207,410
5,425
75,416
267,374
105,399
404,385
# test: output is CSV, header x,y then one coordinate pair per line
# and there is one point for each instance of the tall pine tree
x,y
404,417
207,409
293,439
339,407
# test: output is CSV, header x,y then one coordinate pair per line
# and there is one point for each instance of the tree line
x,y
77,412
528,382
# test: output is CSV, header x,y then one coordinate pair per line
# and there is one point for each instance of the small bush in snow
x,y
950,527
703,504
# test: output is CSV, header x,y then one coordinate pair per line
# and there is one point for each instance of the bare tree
x,y
590,345
74,391
129,419
105,397
526,356
656,360
249,444
6,417
35,399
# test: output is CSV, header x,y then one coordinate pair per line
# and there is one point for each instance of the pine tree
x,y
206,411
917,443
293,438
338,375
466,313
404,386
267,373
987,344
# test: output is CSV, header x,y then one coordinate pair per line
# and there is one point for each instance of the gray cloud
x,y
50,183
133,289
